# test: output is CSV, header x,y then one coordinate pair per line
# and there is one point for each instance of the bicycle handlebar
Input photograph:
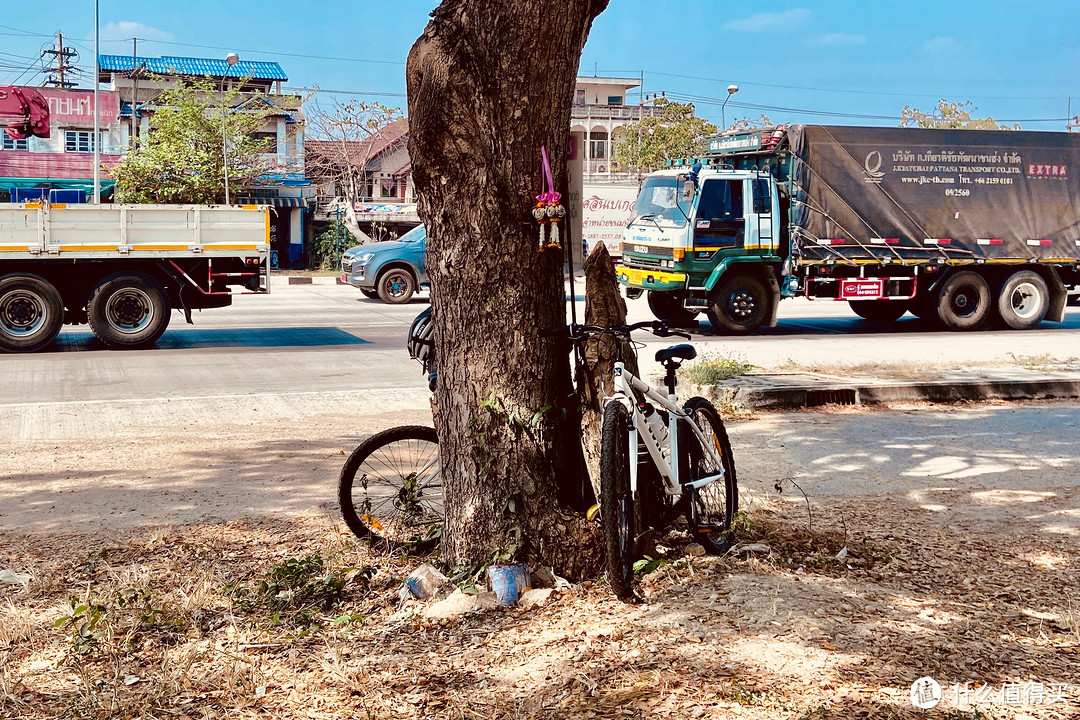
x,y
661,328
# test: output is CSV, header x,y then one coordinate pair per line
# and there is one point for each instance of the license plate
x,y
862,289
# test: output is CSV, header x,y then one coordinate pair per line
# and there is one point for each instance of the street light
x,y
731,90
231,59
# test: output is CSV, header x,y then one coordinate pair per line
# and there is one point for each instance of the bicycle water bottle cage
x,y
676,352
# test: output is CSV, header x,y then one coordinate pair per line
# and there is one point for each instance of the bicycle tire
x,y
711,509
616,503
395,477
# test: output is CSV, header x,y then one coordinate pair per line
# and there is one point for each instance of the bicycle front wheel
x,y
616,502
390,489
711,509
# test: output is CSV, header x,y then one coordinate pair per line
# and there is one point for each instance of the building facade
x,y
65,159
600,108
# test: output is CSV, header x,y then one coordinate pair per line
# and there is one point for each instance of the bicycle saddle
x,y
683,352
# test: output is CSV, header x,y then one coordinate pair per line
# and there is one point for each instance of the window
x,y
579,96
721,200
10,144
598,146
268,139
78,141
614,100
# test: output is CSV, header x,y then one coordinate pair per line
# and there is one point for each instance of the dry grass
x,y
291,619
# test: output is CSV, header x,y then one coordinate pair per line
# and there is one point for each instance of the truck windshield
x,y
659,200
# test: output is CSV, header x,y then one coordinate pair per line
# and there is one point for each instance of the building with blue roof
x,y
284,186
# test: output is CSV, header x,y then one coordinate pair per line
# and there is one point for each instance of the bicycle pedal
x,y
592,513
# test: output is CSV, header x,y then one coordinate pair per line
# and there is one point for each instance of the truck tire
x,y
128,310
1022,301
31,313
883,311
964,302
669,306
739,306
372,294
396,286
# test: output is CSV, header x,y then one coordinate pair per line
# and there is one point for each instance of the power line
x,y
836,90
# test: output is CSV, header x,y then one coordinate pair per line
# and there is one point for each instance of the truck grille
x,y
644,263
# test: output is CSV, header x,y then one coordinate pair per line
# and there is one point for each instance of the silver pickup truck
x,y
391,271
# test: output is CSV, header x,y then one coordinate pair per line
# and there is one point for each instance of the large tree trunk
x,y
489,84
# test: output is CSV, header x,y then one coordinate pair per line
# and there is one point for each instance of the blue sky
x,y
1017,61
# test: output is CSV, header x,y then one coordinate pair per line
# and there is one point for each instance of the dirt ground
x,y
197,572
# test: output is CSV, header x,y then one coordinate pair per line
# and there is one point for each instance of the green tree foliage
x,y
180,160
950,115
649,143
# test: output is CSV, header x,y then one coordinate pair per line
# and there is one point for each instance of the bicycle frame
x,y
625,384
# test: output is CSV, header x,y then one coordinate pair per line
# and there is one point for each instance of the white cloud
x,y
769,21
940,45
838,40
126,30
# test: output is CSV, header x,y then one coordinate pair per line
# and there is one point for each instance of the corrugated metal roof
x,y
214,67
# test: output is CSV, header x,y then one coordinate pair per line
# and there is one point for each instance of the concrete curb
x,y
305,280
759,393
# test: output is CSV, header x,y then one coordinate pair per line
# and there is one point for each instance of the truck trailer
x,y
962,227
122,268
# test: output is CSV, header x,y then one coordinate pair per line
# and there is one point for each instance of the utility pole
x,y
134,92
62,56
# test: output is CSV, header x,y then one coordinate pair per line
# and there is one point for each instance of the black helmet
x,y
421,344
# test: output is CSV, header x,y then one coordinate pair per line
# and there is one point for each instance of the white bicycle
x,y
687,446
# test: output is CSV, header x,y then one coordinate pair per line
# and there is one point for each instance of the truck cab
x,y
693,225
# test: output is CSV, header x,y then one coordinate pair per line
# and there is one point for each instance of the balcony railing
x,y
614,112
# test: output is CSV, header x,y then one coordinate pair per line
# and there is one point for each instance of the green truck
x,y
960,227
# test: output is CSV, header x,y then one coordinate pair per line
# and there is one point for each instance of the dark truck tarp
x,y
977,193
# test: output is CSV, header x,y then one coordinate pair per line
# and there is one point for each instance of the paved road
x,y
328,338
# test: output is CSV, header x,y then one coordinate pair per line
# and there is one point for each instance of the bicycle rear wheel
x,y
616,502
711,509
390,489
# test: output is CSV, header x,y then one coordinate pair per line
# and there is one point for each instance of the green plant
x,y
295,591
325,249
181,160
714,368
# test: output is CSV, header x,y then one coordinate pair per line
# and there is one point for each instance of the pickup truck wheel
x,y
128,311
1022,301
31,313
882,311
964,302
669,306
739,306
396,286
373,294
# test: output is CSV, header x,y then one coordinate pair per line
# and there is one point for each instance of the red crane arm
x,y
23,112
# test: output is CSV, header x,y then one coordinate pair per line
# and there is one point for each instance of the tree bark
x,y
489,84
603,306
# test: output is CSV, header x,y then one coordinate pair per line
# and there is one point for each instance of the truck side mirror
x,y
689,190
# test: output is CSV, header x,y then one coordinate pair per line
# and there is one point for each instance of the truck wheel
x,y
372,294
128,311
964,302
669,306
882,311
31,313
739,306
1022,300
396,286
